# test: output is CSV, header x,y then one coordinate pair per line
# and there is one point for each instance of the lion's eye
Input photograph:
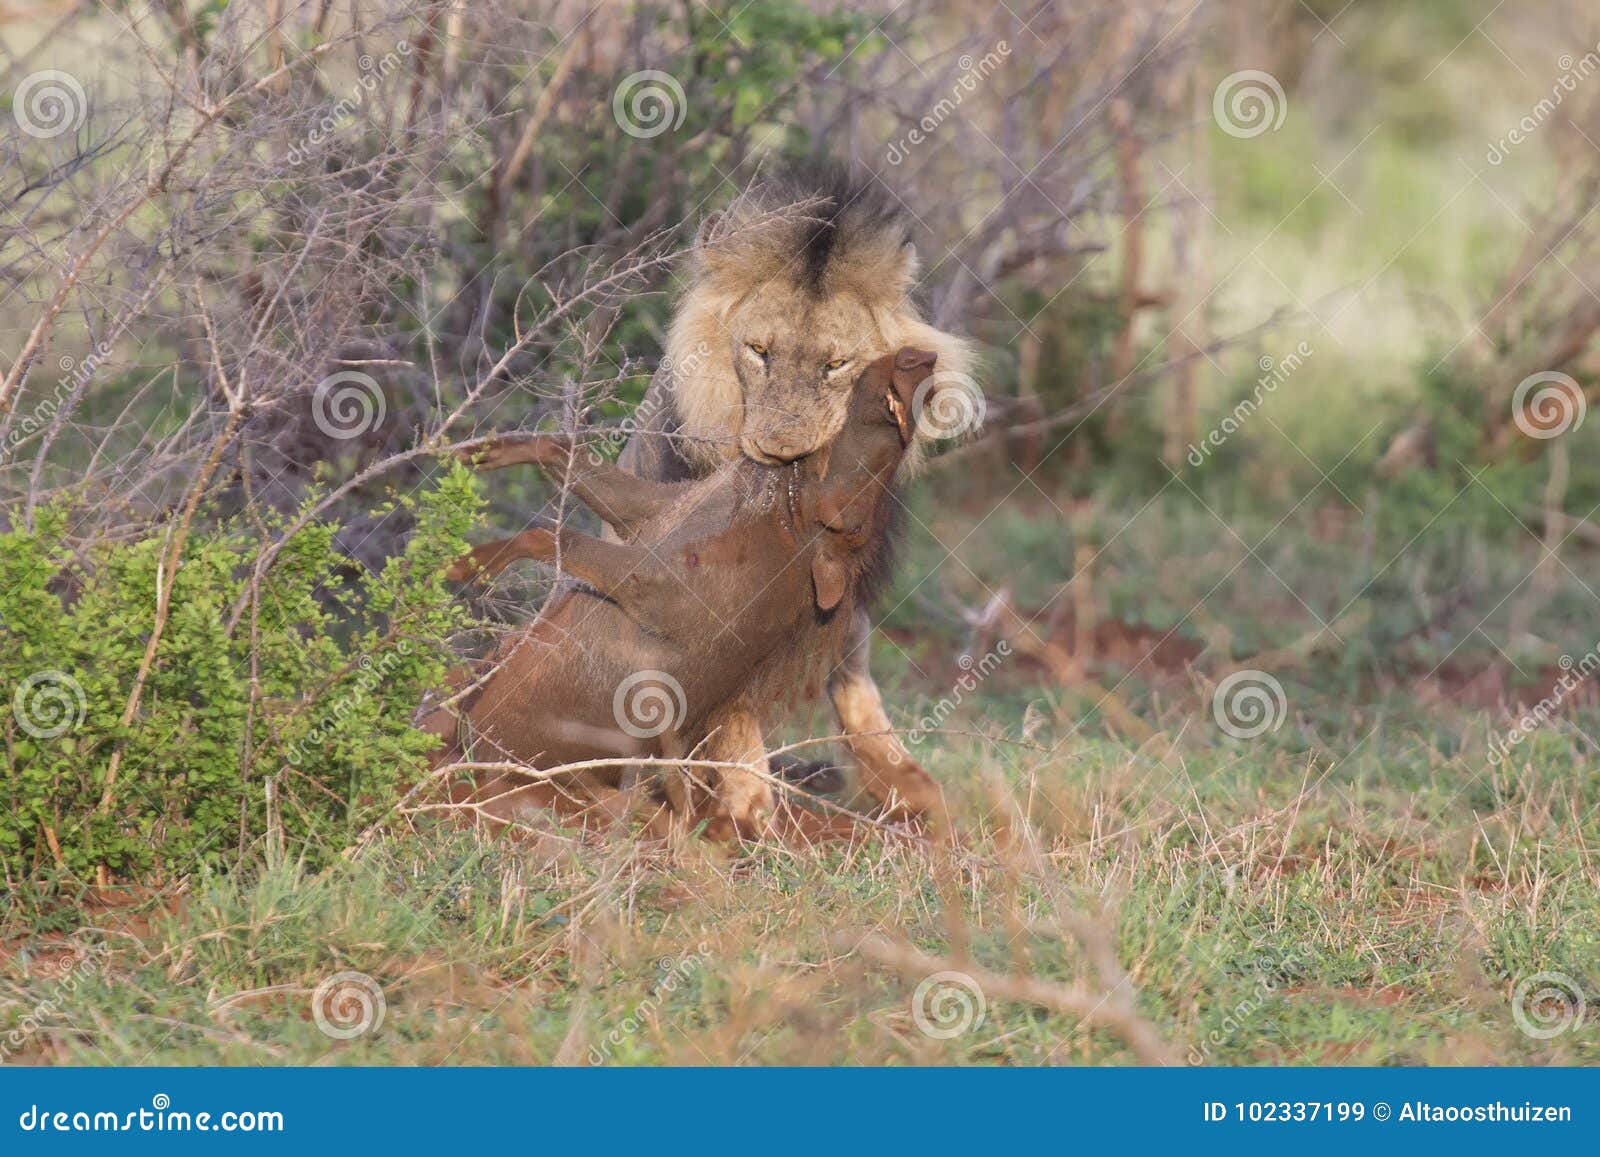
x,y
837,363
757,348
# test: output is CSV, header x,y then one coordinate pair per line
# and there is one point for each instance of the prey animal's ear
x,y
911,368
814,466
829,577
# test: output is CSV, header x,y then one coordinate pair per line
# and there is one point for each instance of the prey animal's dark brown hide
x,y
734,590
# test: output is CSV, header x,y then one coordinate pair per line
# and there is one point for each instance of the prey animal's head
x,y
848,502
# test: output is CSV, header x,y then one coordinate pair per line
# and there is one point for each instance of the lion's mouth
x,y
755,453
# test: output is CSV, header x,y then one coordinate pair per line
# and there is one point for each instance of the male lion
x,y
790,293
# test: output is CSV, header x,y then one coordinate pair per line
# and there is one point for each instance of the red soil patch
x,y
1500,687
131,911
1155,655
1116,648
1387,996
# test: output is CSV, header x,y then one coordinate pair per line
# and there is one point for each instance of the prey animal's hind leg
x,y
620,499
491,558
628,574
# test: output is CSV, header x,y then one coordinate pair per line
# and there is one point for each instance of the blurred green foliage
x,y
312,686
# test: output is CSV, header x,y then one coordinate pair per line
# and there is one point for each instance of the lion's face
x,y
783,310
796,358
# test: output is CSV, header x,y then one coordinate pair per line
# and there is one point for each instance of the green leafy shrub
x,y
283,714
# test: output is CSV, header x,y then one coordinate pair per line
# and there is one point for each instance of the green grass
x,y
1357,886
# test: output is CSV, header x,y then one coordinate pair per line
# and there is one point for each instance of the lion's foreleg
x,y
888,771
744,797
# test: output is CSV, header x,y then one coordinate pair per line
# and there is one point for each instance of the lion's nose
x,y
783,447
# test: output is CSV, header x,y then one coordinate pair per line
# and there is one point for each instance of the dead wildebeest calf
x,y
738,586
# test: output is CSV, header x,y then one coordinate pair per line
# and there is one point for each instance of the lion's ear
x,y
711,227
910,262
828,576
895,275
